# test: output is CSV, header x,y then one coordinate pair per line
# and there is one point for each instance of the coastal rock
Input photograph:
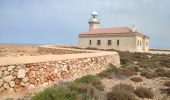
x,y
8,78
10,68
21,73
12,84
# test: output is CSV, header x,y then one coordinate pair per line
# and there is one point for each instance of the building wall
x,y
18,77
126,43
142,44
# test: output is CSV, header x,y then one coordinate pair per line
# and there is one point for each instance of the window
x,y
109,42
90,42
98,42
117,42
140,43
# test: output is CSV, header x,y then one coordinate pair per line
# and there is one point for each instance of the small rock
x,y
10,91
17,81
6,73
10,68
7,78
31,86
31,74
32,80
45,84
2,89
1,82
12,84
1,73
25,79
3,68
6,86
21,73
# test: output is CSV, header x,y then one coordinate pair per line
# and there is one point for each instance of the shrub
x,y
120,95
133,68
124,72
144,92
136,79
148,75
121,92
108,72
160,72
56,94
89,80
167,84
123,87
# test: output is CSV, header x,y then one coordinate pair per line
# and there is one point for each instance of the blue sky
x,y
60,21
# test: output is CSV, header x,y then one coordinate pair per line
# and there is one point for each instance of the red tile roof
x,y
111,31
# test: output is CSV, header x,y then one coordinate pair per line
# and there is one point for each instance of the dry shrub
x,y
144,92
121,92
136,79
167,83
148,75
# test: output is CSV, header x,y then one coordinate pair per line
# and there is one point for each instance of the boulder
x,y
21,73
7,78
12,84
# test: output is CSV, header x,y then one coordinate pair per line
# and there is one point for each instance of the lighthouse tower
x,y
94,21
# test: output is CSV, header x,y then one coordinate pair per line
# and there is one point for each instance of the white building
x,y
118,38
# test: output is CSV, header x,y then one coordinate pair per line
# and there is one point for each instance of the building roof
x,y
111,31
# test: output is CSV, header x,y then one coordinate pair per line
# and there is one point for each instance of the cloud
x,y
59,21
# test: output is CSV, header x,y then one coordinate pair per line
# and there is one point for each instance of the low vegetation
x,y
90,87
144,92
121,92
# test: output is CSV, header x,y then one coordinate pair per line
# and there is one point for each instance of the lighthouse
x,y
94,22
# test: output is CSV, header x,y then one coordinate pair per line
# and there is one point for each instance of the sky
x,y
60,21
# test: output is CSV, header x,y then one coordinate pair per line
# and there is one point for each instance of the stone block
x,y
21,73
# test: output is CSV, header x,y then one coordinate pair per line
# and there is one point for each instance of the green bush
x,y
144,92
121,92
136,79
89,80
56,94
108,72
133,68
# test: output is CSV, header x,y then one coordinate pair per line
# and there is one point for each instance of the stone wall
x,y
18,77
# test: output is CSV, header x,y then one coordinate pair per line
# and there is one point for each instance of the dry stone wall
x,y
18,77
